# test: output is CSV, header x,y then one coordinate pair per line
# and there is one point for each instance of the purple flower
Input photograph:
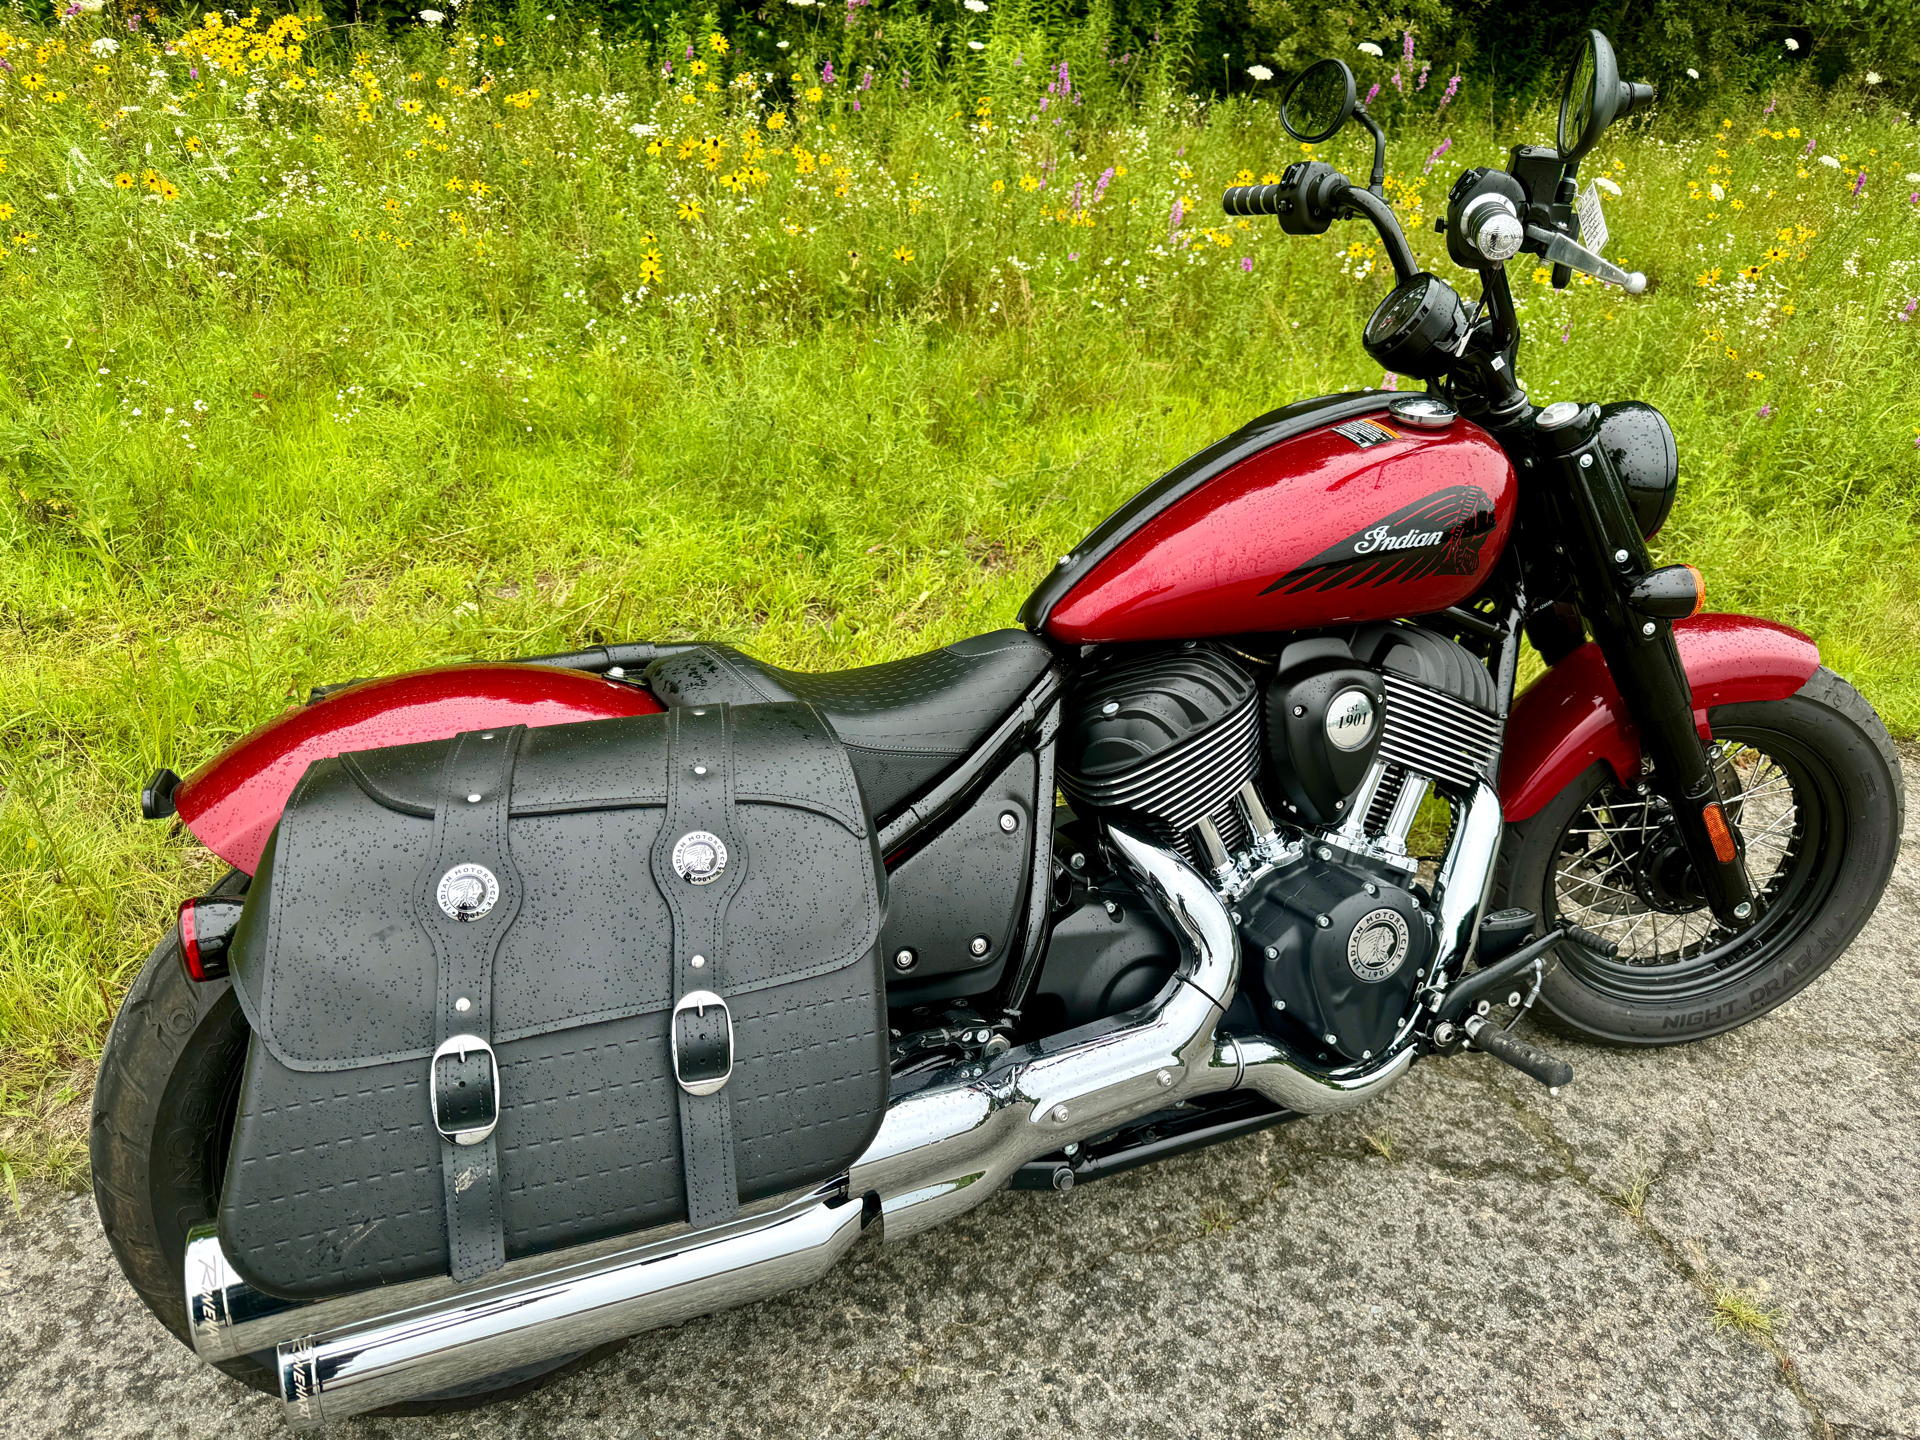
x,y
1396,78
1810,149
1100,186
1438,151
826,74
667,70
1372,92
71,10
193,72
1247,265
867,80
8,65
133,21
1046,100
1390,381
1764,412
1566,333
690,52
1067,86
1909,308
1448,94
1421,84
1073,255
1174,220
1861,180
1769,111
1076,200
857,105
1407,45
906,79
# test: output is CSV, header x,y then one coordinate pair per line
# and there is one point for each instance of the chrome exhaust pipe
x,y
943,1148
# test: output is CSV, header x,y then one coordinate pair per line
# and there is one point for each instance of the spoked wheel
x,y
1812,787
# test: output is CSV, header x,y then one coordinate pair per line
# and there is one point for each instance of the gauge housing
x,y
1418,328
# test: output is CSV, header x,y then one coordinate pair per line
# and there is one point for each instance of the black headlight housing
x,y
1639,441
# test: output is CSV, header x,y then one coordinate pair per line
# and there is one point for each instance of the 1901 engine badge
x,y
700,857
1377,946
468,892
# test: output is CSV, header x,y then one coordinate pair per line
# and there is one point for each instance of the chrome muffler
x,y
944,1146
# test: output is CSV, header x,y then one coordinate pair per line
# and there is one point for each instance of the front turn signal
x,y
1674,592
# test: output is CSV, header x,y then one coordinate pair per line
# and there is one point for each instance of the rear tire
x,y
163,1111
1822,828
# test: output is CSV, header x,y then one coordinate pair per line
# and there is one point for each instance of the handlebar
x,y
1344,196
1252,200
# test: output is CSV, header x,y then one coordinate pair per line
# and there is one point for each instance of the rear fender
x,y
1574,716
233,802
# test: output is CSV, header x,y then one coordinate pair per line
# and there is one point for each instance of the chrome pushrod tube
x,y
495,1327
945,1148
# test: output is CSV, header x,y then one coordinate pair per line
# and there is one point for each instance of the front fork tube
x,y
1607,555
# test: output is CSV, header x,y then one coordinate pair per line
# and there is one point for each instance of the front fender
x,y
233,802
1574,716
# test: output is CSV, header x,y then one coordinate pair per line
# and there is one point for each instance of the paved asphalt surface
x,y
1456,1258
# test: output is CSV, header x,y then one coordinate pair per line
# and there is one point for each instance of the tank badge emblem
x,y
700,857
1349,721
1366,432
1441,534
468,892
1377,946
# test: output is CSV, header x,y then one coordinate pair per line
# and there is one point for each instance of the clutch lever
x,y
1564,251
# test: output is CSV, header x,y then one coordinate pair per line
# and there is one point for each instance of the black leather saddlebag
x,y
529,988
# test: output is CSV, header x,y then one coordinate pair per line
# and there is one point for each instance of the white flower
x,y
105,45
1368,47
1792,43
1914,177
1260,72
979,7
1607,185
1693,74
1717,192
1829,161
432,17
1873,77
91,7
975,45
780,44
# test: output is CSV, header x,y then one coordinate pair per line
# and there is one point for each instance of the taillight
x,y
206,926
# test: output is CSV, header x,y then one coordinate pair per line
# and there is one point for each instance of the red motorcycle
x,y
552,1000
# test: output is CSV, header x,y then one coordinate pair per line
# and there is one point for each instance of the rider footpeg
x,y
1600,945
1550,1071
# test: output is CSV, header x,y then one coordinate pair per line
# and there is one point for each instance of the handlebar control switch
x,y
1309,197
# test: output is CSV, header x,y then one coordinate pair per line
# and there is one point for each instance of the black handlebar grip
x,y
1600,945
1252,200
1548,1070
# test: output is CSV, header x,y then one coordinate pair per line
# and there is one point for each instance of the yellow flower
x,y
6,211
813,95
776,121
169,191
698,68
1756,375
123,180
413,75
443,82
1750,272
840,190
1788,309
499,41
150,179
1707,278
437,122
33,82
1775,253
193,144
1733,354
392,204
1029,183
999,186
689,210
653,147
1727,124
718,44
903,254
1794,132
650,271
411,107
1542,275
1722,153
1270,178
1245,177
1735,205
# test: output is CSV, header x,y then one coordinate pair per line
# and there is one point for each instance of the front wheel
x,y
1813,787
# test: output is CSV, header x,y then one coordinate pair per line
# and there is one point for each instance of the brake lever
x,y
1576,256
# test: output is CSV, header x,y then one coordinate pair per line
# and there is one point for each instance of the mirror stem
x,y
1380,149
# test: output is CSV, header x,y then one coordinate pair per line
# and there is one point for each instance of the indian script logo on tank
x,y
1441,534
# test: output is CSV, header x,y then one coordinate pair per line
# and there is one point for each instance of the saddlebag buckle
x,y
703,1047
463,1086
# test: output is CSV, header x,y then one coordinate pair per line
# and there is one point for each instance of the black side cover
x,y
334,1178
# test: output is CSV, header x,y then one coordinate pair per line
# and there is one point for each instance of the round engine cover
x,y
1341,948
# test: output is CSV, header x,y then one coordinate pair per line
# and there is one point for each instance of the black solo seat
x,y
904,722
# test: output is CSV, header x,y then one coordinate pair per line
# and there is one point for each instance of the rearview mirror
x,y
1319,102
1594,98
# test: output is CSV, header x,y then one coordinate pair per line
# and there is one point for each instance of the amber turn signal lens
x,y
1718,832
1700,589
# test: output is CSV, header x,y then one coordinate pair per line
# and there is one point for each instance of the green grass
x,y
316,406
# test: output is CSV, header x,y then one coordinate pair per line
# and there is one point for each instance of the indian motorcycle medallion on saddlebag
x,y
528,988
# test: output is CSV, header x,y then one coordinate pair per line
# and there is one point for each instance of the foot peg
x,y
1550,1071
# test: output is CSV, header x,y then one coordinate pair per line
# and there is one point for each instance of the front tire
x,y
1813,785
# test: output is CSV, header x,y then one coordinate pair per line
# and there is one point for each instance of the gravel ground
x,y
1463,1256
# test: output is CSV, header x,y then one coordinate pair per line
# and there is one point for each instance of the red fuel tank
x,y
1348,515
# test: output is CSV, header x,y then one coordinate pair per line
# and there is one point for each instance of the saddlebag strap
x,y
467,899
698,863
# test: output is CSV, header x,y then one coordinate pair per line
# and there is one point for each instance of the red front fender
x,y
1573,716
233,802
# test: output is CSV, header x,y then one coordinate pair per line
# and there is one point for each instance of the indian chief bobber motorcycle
x,y
553,1000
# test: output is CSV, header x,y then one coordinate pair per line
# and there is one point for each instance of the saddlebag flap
x,y
525,989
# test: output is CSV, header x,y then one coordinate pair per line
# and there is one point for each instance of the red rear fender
x,y
1573,716
233,802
